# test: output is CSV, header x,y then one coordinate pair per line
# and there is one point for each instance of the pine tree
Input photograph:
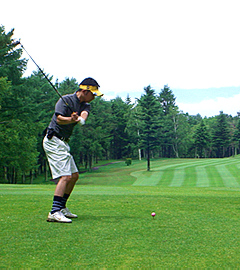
x,y
11,66
221,135
68,86
201,139
236,135
120,136
17,131
170,119
150,115
167,99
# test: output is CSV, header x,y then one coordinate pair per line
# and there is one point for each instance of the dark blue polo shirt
x,y
62,109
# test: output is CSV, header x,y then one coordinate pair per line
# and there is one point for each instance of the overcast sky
x,y
191,45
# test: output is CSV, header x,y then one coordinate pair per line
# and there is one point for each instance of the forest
x,y
145,128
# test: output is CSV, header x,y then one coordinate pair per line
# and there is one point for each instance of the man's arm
x,y
74,118
84,115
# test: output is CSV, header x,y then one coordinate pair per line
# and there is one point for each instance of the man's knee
x,y
70,178
66,178
75,177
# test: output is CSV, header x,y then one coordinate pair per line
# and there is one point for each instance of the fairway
x,y
192,172
197,222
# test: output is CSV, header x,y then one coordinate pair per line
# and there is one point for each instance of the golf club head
x,y
16,43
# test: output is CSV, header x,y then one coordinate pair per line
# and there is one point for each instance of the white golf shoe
x,y
68,214
58,217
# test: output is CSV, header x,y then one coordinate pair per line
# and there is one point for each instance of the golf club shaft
x,y
45,77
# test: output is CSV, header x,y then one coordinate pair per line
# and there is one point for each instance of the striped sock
x,y
64,200
57,203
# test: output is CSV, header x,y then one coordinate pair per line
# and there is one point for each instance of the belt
x,y
61,138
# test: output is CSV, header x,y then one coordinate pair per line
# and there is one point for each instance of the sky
x,y
193,46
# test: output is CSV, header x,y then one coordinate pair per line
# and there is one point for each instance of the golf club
x,y
19,43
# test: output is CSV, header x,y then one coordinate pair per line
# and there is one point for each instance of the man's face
x,y
88,96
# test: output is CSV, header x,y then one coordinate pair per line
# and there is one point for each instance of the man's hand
x,y
81,121
83,117
74,117
66,120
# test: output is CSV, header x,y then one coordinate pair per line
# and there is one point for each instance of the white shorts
x,y
59,158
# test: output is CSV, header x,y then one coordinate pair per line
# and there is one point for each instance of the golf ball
x,y
153,214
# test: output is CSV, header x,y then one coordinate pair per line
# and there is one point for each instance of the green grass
x,y
168,172
197,222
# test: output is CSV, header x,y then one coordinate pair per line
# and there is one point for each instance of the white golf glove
x,y
81,121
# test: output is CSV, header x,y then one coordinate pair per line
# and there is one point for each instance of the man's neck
x,y
79,95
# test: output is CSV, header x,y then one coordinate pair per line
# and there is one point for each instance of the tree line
x,y
150,127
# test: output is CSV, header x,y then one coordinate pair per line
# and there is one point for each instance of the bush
x,y
128,161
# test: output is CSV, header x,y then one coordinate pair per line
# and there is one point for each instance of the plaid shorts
x,y
59,158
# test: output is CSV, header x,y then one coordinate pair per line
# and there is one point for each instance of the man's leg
x,y
69,188
67,165
66,195
64,188
62,184
56,215
59,193
62,192
71,184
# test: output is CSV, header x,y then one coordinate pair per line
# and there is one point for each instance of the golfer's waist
x,y
51,132
61,137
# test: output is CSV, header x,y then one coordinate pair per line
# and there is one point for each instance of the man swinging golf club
x,y
69,111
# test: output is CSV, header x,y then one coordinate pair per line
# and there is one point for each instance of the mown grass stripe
x,y
140,178
214,176
202,177
199,173
228,179
190,177
179,174
207,175
154,179
178,178
234,170
166,178
147,178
